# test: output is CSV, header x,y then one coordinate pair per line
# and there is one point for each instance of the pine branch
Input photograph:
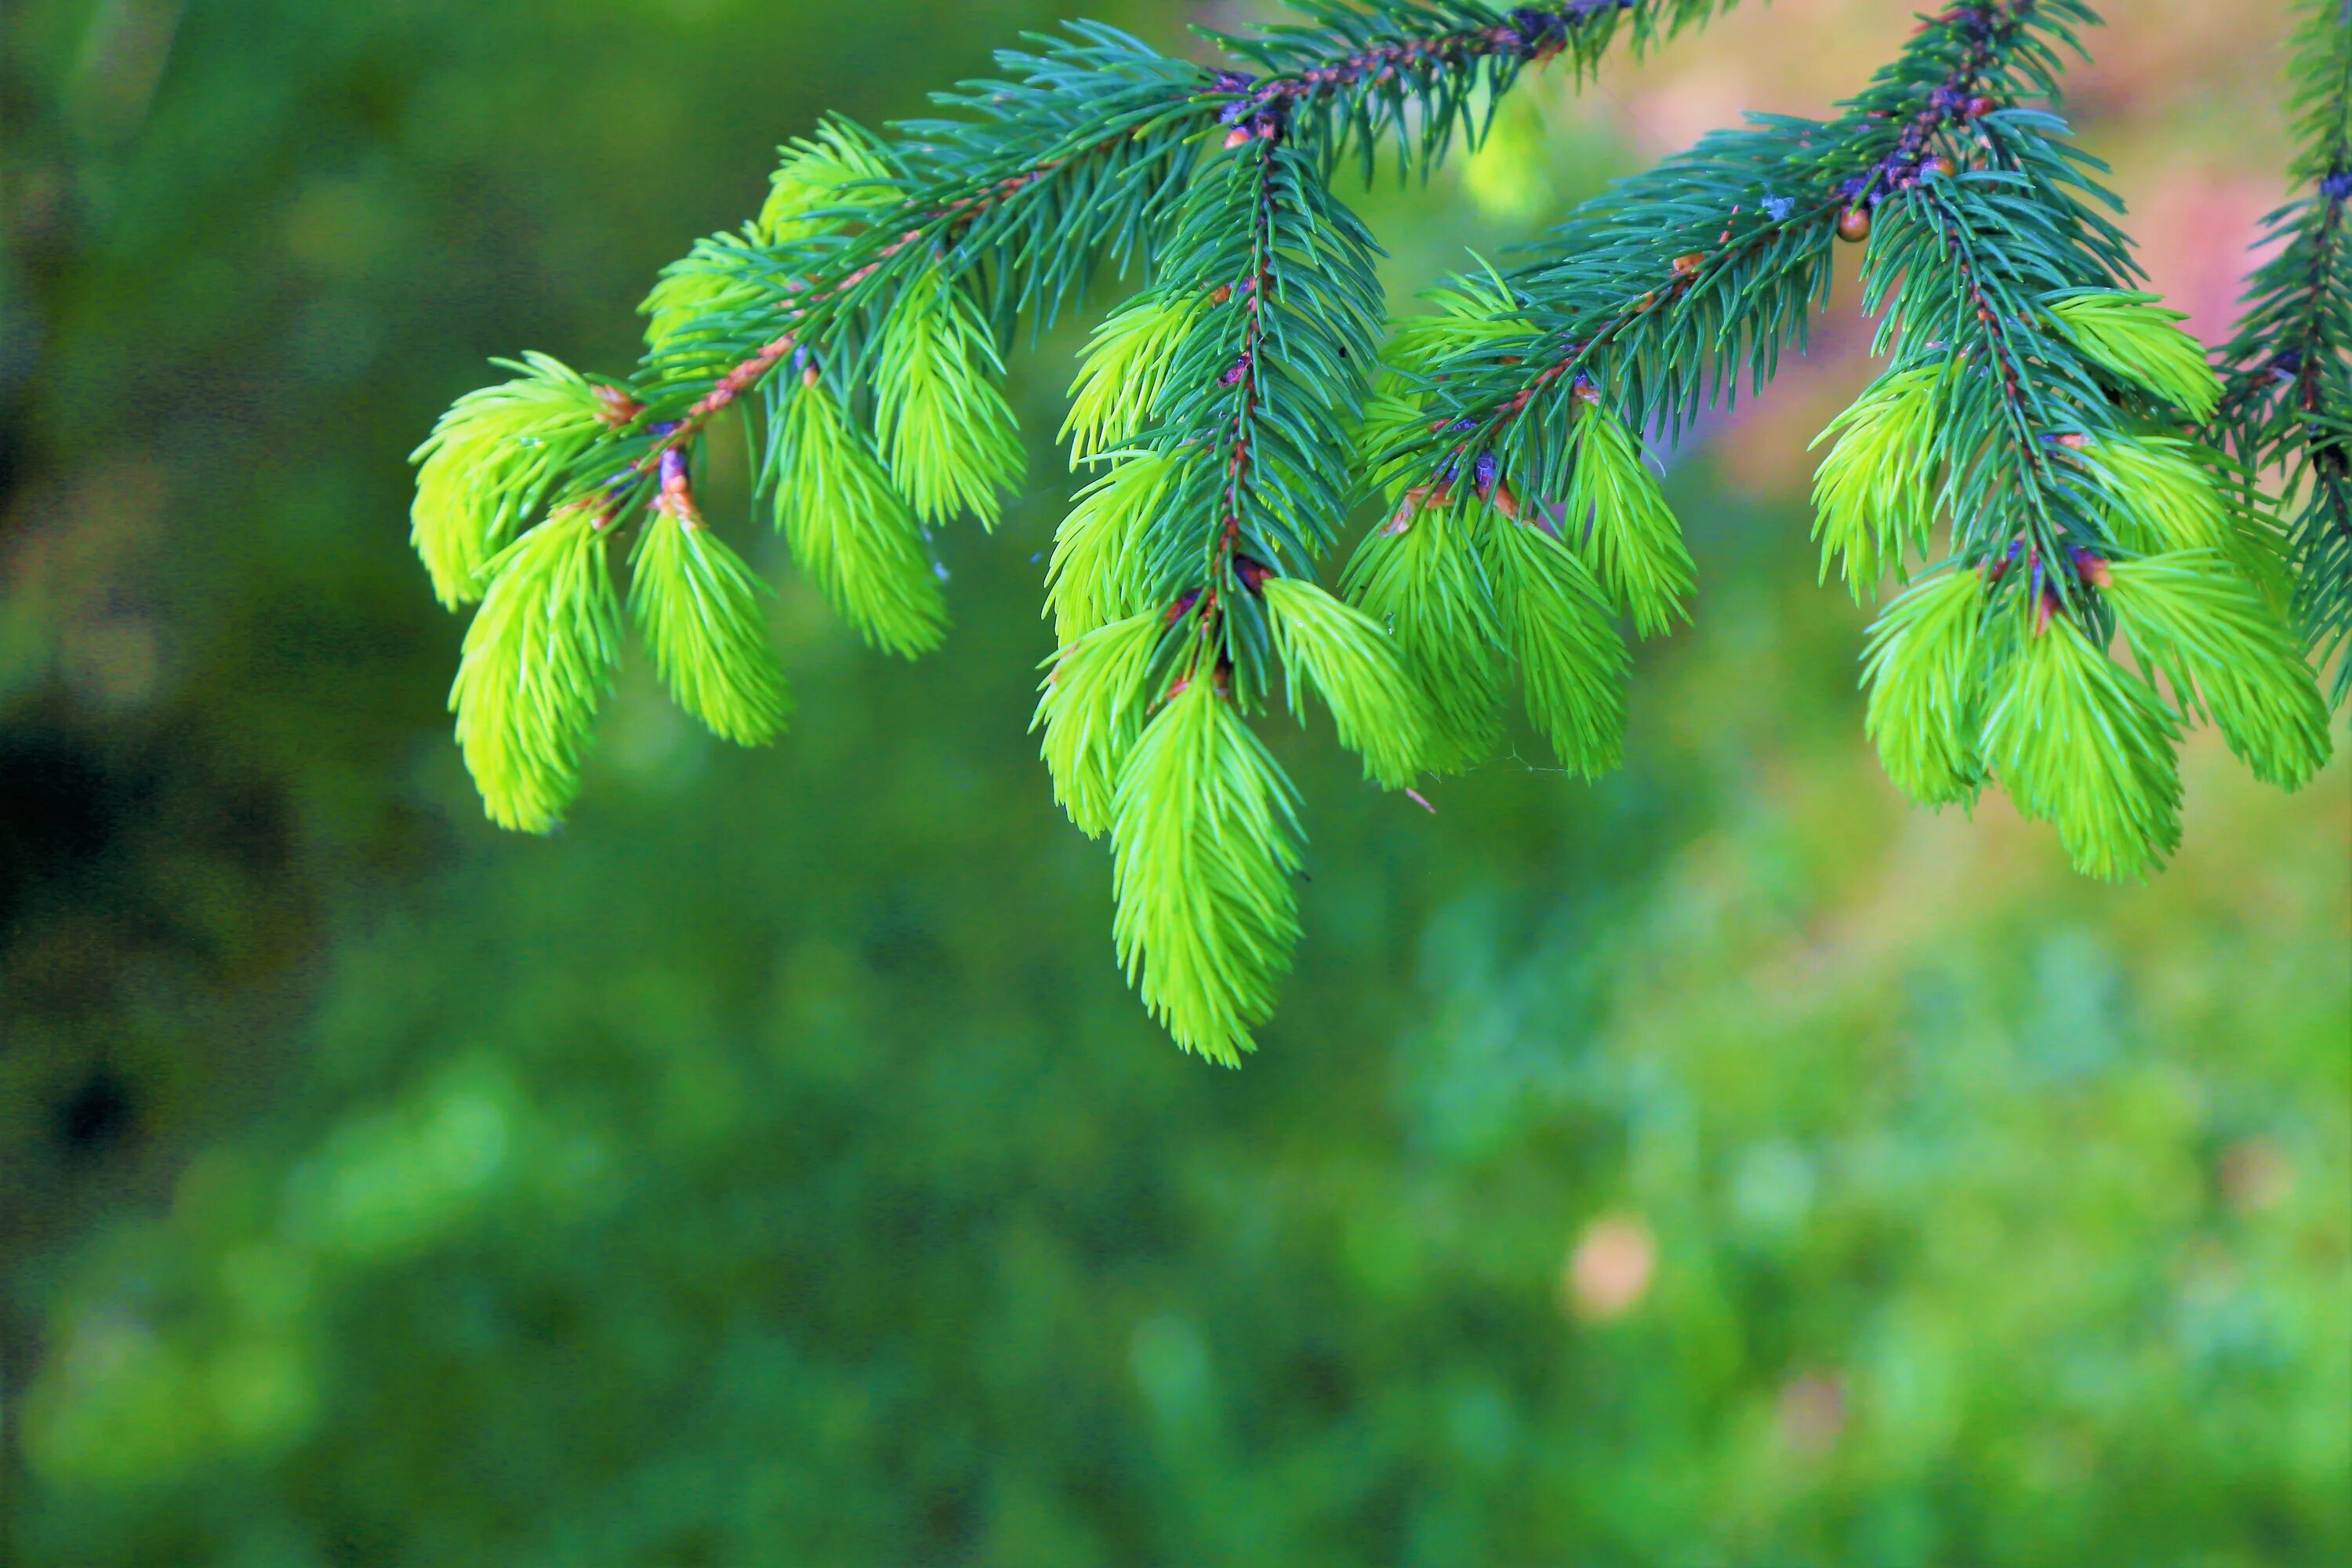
x,y
1356,76
1672,282
2286,403
2027,409
2038,414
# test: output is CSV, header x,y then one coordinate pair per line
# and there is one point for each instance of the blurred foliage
x,y
1723,1163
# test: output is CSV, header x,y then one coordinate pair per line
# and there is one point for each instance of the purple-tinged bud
x,y
2337,186
1486,472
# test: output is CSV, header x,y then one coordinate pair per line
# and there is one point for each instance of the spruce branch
x,y
2039,415
1674,282
2286,403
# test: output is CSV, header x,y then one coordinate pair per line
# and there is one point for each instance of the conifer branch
x,y
1668,313
2039,415
2286,403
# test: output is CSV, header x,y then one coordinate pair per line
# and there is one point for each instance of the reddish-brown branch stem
x,y
1253,296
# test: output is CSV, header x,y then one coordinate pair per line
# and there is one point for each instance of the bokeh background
x,y
1725,1164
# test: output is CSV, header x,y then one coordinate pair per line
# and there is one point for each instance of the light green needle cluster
x,y
1353,664
941,420
1474,313
824,185
697,605
1875,494
1924,666
1205,855
840,175
851,530
2226,652
2135,340
2086,745
1573,663
1957,686
706,281
1095,694
1621,526
489,464
1126,363
1092,576
1424,581
2168,500
539,658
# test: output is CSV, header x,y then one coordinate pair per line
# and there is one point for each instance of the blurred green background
x,y
1722,1166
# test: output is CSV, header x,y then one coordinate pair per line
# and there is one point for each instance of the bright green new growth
x,y
1424,582
2172,502
490,463
1205,853
2086,745
824,184
1925,667
697,607
695,285
2169,498
1619,524
2132,339
1875,494
1091,577
941,421
1126,365
1472,313
2088,472
1097,692
1353,664
537,661
852,532
2219,647
840,174
1573,663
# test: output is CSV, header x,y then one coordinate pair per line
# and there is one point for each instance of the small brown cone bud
x,y
615,408
1854,224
